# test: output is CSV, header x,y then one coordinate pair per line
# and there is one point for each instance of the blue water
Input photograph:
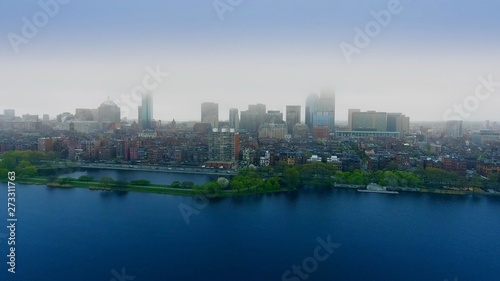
x,y
153,177
77,234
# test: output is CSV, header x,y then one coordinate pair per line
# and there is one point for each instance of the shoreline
x,y
153,188
168,190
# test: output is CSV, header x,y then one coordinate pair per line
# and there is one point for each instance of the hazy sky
x,y
425,60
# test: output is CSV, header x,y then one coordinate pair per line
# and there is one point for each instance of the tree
x,y
260,184
390,178
237,183
198,188
356,177
29,172
292,177
187,184
212,187
494,181
223,182
274,183
25,170
65,181
86,178
107,181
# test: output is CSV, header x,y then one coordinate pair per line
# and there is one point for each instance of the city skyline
x,y
284,139
232,111
260,53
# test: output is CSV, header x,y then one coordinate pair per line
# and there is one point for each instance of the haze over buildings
x,y
210,114
429,57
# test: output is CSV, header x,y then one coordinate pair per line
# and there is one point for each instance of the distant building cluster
x,y
377,123
258,136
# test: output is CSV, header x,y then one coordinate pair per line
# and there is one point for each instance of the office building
x,y
292,116
486,136
324,115
84,114
369,121
311,107
349,118
453,129
30,117
261,111
249,121
223,145
210,114
398,122
252,118
234,119
108,112
273,130
273,116
9,114
300,131
145,112
372,123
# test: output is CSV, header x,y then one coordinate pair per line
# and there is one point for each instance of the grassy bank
x,y
151,188
176,190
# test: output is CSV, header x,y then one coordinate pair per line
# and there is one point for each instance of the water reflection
x,y
153,177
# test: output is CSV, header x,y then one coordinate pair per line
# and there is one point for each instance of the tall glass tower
x,y
146,112
311,107
234,119
320,110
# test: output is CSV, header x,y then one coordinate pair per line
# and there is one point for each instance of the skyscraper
x,y
311,106
398,122
249,121
292,116
349,117
252,118
223,145
108,112
234,119
210,114
9,114
145,112
139,115
261,112
453,128
324,115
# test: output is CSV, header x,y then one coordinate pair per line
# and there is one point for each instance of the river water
x,y
78,234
